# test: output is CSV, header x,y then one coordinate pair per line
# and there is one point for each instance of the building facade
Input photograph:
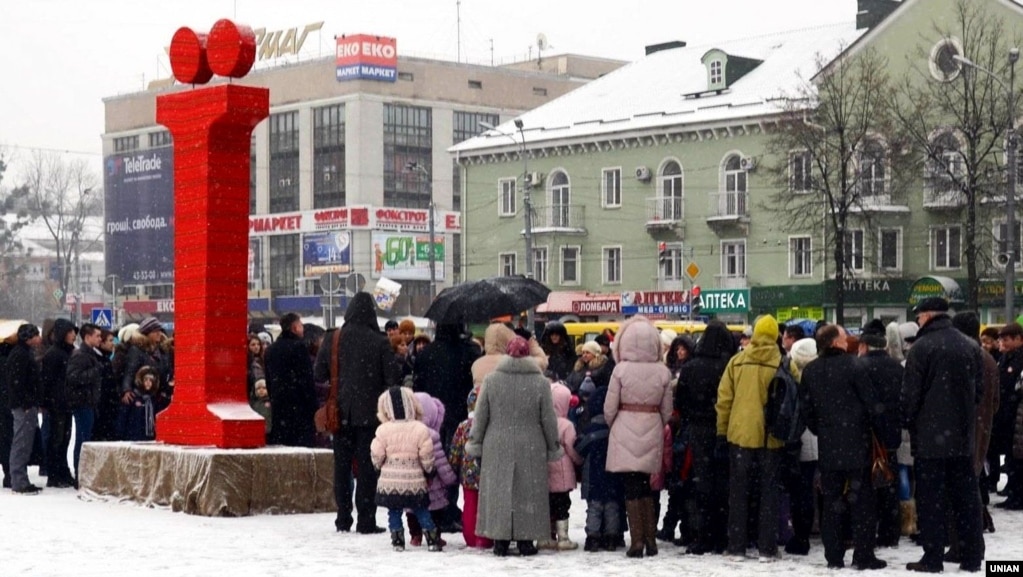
x,y
343,175
659,176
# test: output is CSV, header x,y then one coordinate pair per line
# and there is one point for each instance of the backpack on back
x,y
783,413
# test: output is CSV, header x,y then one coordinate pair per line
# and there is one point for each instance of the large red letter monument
x,y
211,127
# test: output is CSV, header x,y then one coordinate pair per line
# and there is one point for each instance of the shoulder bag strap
x,y
334,346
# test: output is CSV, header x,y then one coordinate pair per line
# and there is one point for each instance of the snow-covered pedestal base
x,y
210,481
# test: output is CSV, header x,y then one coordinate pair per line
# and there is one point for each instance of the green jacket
x,y
742,393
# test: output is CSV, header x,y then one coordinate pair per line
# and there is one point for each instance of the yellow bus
x,y
584,332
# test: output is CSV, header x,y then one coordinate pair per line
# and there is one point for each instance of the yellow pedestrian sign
x,y
693,271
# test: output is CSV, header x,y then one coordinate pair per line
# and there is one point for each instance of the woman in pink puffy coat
x,y
637,407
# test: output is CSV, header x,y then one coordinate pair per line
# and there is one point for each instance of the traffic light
x,y
695,302
663,255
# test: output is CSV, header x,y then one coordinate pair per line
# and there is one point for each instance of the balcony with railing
x,y
728,207
665,212
559,218
943,198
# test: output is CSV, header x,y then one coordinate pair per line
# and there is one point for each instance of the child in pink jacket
x,y
433,416
561,473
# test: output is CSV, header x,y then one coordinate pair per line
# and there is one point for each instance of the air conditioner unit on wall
x,y
747,163
533,178
643,174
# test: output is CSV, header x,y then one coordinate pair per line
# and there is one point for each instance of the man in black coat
x,y
695,396
443,370
885,375
85,372
6,420
942,386
366,369
53,374
840,404
1010,366
21,373
289,382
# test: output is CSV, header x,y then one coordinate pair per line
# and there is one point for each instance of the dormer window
x,y
724,70
715,72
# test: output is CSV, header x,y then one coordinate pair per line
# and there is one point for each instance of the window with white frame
x,y
507,263
561,200
715,72
854,249
945,167
506,203
1000,228
871,158
889,255
946,248
672,191
611,195
800,256
570,265
540,264
733,258
800,172
736,181
612,265
670,261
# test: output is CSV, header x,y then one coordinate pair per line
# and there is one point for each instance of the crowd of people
x,y
904,429
108,387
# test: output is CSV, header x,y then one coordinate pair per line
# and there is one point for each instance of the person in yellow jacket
x,y
743,439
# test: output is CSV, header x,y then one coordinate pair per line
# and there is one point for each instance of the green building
x,y
666,162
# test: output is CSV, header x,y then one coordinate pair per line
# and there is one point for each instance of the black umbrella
x,y
482,300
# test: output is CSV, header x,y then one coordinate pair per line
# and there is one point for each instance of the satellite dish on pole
x,y
541,45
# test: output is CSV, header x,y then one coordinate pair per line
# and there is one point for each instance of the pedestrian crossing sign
x,y
103,318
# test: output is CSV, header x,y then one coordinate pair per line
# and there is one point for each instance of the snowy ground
x,y
60,533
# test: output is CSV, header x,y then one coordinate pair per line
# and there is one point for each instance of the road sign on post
x,y
693,270
103,318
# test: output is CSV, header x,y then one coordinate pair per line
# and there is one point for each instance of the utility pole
x,y
1012,175
416,167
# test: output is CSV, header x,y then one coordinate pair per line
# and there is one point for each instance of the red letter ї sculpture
x,y
211,128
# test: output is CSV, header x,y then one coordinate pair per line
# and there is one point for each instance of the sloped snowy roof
x,y
652,92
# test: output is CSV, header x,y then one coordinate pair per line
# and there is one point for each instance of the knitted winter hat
x,y
591,347
803,351
398,404
873,334
518,347
151,324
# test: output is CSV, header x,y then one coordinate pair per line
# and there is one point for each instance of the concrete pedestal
x,y
210,481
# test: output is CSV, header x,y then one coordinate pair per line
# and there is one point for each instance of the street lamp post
x,y
527,203
415,166
1011,169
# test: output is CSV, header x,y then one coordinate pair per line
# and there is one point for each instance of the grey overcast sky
x,y
59,58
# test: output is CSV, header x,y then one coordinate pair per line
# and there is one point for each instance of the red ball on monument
x,y
188,57
231,49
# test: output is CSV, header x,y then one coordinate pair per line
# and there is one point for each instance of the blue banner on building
x,y
139,208
324,252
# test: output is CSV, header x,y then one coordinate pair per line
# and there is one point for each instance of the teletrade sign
x,y
367,57
324,252
139,205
